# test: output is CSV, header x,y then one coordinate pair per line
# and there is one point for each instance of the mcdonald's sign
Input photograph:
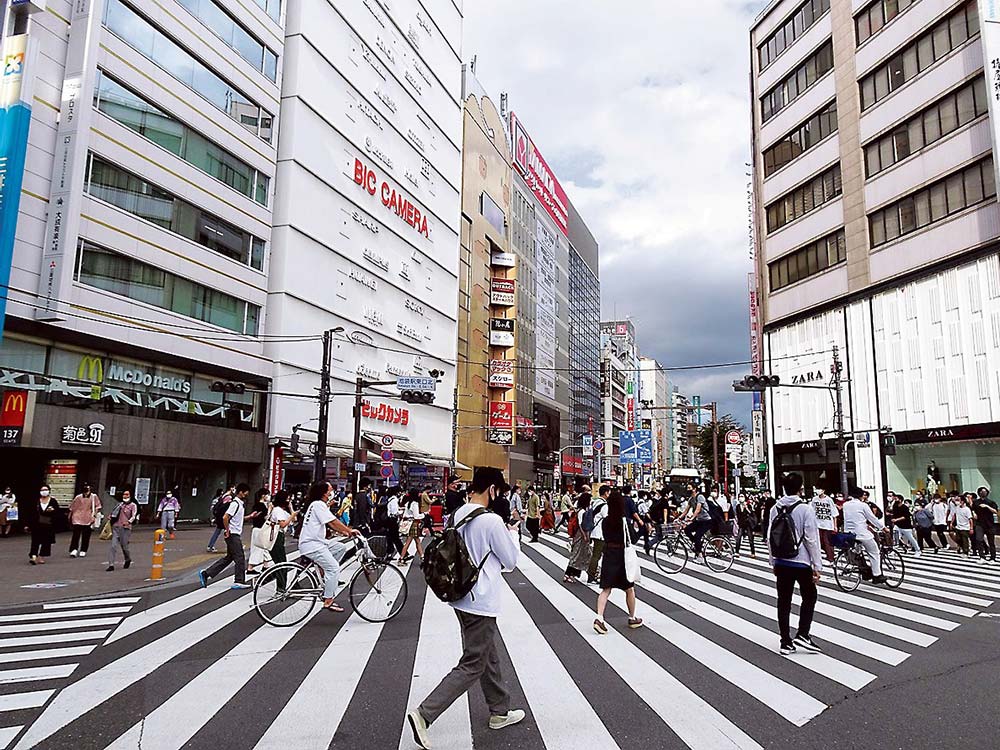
x,y
91,369
13,408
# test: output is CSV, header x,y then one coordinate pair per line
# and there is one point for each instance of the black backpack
x,y
715,511
590,516
220,510
781,536
448,568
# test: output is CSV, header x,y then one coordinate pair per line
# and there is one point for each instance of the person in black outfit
x,y
613,563
746,518
658,512
42,525
361,512
987,518
454,497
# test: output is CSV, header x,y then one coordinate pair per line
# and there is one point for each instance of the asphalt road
x,y
185,667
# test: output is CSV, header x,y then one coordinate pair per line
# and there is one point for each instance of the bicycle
x,y
851,566
285,594
671,553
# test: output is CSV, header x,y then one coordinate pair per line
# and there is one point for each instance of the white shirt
x,y
318,515
826,512
413,511
857,516
961,517
392,507
724,503
484,534
940,513
235,513
600,513
279,515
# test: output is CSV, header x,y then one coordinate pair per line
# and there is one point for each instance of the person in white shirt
x,y
826,520
491,544
327,553
960,519
597,533
941,511
857,517
232,527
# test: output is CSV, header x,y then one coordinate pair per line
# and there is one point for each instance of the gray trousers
x,y
234,554
480,663
119,539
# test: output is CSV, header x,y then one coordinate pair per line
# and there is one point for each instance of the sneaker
x,y
32,561
807,644
418,725
210,549
253,572
981,560
83,554
878,579
787,648
600,627
509,719
238,586
72,553
590,579
202,578
128,564
635,622
109,569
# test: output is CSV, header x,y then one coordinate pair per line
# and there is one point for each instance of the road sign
x,y
635,447
733,437
599,446
762,466
387,441
387,456
360,467
386,471
588,445
425,385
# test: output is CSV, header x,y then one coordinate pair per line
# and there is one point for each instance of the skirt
x,y
613,569
579,551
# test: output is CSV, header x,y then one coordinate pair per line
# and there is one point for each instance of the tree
x,y
704,441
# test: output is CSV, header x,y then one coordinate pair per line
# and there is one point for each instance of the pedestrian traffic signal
x,y
417,397
294,442
757,383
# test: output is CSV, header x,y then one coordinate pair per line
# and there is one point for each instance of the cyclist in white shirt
x,y
327,553
857,517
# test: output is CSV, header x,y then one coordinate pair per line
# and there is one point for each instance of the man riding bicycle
x,y
313,542
699,516
857,517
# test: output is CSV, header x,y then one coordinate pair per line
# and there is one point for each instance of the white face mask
x,y
170,495
44,493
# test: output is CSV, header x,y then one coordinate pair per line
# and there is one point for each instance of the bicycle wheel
x,y
285,594
670,555
893,568
718,553
846,572
378,591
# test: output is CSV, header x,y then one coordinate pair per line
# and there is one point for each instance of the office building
x,y
877,225
680,444
141,246
656,409
619,389
366,238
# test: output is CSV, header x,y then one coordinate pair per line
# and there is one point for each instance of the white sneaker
x,y
83,554
419,728
509,719
72,553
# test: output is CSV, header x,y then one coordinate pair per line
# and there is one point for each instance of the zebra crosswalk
x,y
199,668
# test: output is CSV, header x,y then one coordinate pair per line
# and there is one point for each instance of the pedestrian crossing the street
x,y
703,672
41,648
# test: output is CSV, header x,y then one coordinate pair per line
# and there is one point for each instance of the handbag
x,y
404,526
106,531
96,515
265,537
633,572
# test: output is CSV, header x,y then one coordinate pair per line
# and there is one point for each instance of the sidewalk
x,y
64,577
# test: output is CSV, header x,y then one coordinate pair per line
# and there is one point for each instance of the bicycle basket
x,y
379,546
842,540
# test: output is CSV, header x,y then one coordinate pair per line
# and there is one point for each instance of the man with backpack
x,y
475,548
591,523
794,551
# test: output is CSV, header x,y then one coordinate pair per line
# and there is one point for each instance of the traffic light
x,y
757,383
219,386
294,442
888,444
417,397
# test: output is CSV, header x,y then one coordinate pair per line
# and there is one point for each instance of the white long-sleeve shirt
x,y
483,535
857,516
940,513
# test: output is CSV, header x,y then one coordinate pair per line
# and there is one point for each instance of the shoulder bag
x,y
633,572
265,537
95,514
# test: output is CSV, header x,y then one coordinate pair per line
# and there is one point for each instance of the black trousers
x,y
234,554
986,538
924,537
533,524
392,536
940,528
81,538
786,577
745,531
41,544
695,531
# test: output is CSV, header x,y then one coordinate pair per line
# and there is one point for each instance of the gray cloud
x,y
645,117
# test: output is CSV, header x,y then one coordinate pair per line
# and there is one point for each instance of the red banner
x,y
501,415
540,178
277,471
572,464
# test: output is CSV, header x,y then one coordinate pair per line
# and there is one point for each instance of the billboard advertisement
x,y
501,423
502,332
502,292
536,173
547,425
545,311
501,373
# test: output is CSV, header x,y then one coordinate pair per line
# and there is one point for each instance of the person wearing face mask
x,y
313,542
122,518
167,511
84,515
8,502
43,526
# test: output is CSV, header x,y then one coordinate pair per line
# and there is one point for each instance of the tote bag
x,y
633,573
265,537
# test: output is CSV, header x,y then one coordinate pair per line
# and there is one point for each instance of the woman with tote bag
x,y
620,564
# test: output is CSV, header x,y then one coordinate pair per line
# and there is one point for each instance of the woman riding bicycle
x,y
319,521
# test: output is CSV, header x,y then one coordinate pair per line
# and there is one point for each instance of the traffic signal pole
x,y
319,459
839,418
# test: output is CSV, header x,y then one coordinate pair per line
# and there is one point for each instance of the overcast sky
x,y
644,116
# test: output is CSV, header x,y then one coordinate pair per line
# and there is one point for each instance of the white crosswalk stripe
x,y
721,624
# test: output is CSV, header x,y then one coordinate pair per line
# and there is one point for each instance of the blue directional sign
x,y
635,447
416,384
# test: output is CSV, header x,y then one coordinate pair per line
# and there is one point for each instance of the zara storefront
x,y
921,358
72,415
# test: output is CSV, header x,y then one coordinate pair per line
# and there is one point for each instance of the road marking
x,y
7,735
41,640
61,625
47,653
91,603
17,701
786,700
690,717
30,674
548,688
64,613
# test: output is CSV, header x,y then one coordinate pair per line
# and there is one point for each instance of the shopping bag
x,y
106,531
633,572
264,537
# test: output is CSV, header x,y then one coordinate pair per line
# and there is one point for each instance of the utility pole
x,y
839,418
319,459
715,440
359,390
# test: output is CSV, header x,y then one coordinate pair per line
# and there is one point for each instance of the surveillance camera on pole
x,y
756,383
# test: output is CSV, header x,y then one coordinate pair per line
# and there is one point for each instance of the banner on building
x,y
546,311
536,173
502,292
502,332
500,427
989,27
501,373
755,338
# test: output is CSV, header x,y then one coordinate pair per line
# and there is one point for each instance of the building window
x,y
141,198
128,277
871,20
132,111
807,261
801,139
795,26
229,30
818,64
272,8
492,213
967,187
818,191
137,32
945,36
947,114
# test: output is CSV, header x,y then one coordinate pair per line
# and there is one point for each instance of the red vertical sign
x,y
277,470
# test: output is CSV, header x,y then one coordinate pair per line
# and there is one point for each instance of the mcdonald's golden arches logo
x,y
15,406
91,368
